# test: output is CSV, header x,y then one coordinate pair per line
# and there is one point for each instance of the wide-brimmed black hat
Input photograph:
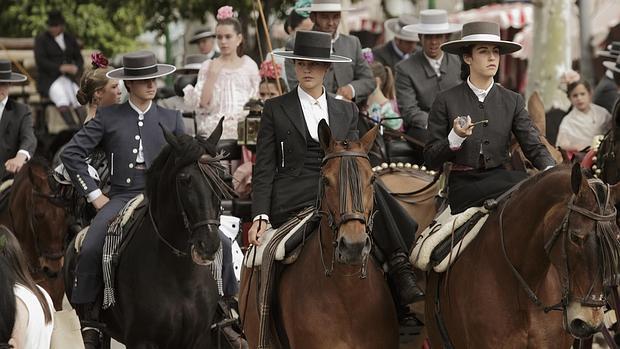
x,y
140,65
396,25
55,18
7,75
612,51
192,64
312,46
480,33
613,66
201,34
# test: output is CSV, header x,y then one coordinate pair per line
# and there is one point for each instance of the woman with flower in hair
x,y
268,87
96,89
225,83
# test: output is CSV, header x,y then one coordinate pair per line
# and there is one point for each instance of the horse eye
x,y
576,239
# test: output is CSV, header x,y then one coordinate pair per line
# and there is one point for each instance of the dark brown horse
x,y
37,218
334,295
559,238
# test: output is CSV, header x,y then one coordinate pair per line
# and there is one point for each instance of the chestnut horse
x,y
37,218
334,295
550,246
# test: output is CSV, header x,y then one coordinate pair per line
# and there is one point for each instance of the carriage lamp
x,y
247,129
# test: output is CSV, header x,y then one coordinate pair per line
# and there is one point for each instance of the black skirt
x,y
471,188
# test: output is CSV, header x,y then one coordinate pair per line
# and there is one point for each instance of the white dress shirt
x,y
60,40
2,105
314,111
140,156
455,140
435,63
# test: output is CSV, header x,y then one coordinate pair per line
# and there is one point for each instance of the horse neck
x,y
168,218
524,234
20,216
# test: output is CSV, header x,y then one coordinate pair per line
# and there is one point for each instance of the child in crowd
x,y
268,87
382,101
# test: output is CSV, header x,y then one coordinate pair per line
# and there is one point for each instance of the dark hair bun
x,y
82,97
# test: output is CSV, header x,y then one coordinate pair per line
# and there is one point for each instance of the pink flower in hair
x,y
99,60
268,70
368,55
225,12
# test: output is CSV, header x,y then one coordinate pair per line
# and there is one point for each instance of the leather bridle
x,y
601,219
356,214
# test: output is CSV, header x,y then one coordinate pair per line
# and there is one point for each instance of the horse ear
x,y
368,140
215,136
576,178
536,109
325,135
170,137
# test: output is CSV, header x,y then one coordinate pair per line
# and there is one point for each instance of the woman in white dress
x,y
225,84
34,311
585,120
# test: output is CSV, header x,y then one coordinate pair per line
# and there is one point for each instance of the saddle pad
x,y
6,185
130,208
443,229
254,256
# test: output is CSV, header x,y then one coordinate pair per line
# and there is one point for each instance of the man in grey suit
x,y
352,80
402,46
17,143
422,76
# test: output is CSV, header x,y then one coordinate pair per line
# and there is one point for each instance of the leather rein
x,y
563,231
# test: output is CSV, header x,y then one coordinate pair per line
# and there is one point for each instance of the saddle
x,y
442,242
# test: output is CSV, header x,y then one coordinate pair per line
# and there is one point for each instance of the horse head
x,y
45,217
347,194
191,180
582,243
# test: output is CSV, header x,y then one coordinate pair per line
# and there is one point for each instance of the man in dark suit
x,y
478,151
402,46
131,138
205,39
289,156
59,65
422,76
606,91
17,143
352,80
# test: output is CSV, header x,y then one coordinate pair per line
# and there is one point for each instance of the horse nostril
x,y
581,329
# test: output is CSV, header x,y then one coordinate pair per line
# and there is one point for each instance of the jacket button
x,y
135,151
130,165
128,180
137,137
486,141
140,123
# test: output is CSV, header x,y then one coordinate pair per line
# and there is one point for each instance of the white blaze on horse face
x,y
578,315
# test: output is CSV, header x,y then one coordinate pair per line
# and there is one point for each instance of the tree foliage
x,y
112,25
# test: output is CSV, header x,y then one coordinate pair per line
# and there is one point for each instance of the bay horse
x,y
166,296
550,246
334,295
36,215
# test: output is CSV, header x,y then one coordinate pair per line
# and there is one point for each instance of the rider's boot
x,y
91,326
230,323
401,272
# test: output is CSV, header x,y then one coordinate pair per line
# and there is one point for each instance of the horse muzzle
x,y
202,254
352,253
583,321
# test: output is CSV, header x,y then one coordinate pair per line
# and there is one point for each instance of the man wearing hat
x,y
425,73
403,44
606,91
18,142
131,137
351,80
59,65
471,124
288,154
187,75
205,39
